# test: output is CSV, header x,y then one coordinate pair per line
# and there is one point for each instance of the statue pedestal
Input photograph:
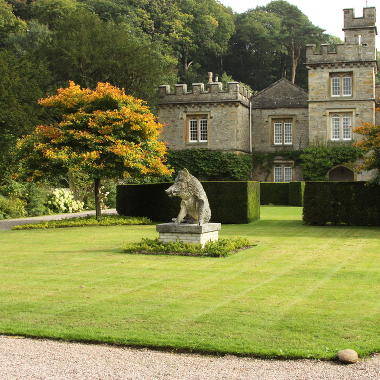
x,y
189,233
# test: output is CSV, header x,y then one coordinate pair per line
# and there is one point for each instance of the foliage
x,y
34,196
11,207
296,193
22,80
264,162
296,31
103,132
9,23
274,193
269,44
352,203
109,220
212,165
318,159
87,50
371,145
230,202
220,248
282,193
62,200
303,300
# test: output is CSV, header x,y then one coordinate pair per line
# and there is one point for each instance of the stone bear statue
x,y
194,205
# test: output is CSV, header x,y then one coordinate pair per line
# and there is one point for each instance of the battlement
x,y
367,20
340,53
200,93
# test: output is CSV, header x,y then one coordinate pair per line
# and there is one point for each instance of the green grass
x,y
301,292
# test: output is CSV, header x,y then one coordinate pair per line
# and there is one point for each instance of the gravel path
x,y
22,358
7,224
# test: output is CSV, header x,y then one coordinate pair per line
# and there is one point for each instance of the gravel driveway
x,y
22,358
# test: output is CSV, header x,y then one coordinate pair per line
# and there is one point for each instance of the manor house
x,y
284,117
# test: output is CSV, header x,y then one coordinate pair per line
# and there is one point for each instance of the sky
x,y
327,14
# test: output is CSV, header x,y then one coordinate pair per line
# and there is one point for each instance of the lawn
x,y
301,292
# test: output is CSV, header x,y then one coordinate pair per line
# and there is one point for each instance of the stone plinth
x,y
189,233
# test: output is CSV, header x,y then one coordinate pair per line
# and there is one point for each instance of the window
x,y
341,127
283,173
198,129
283,132
341,84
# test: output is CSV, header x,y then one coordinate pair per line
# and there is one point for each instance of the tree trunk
x,y
296,54
97,198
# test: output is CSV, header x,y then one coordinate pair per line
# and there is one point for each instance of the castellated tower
x,y
206,116
342,80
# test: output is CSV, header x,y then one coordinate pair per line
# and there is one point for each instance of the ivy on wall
x,y
317,160
212,165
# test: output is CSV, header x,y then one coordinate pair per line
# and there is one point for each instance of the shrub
x,y
317,160
276,193
352,203
11,207
296,193
230,202
220,248
110,220
62,200
212,165
282,193
34,195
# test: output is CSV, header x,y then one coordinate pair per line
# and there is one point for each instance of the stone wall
x,y
321,104
262,128
227,112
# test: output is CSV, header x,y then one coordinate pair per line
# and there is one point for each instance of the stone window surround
x,y
186,117
283,164
328,116
341,73
272,119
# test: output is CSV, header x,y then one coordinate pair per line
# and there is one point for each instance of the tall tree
x,y
103,132
9,22
87,50
296,31
255,50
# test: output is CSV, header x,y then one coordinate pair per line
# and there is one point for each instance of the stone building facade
x,y
283,117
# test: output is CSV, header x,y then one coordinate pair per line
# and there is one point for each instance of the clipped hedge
x,y
296,193
351,203
230,202
282,193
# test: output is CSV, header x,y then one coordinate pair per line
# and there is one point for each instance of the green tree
x,y
9,23
296,31
87,50
103,132
23,80
255,49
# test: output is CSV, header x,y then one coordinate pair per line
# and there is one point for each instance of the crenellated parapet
x,y
339,53
367,20
200,93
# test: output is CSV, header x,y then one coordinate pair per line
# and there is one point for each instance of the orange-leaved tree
x,y
102,132
371,144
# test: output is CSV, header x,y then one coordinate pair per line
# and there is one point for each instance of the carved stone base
x,y
189,233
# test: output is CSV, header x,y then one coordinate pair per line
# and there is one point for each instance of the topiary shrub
x,y
351,203
296,193
230,202
282,193
275,193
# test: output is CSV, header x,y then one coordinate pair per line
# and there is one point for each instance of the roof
x,y
281,94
